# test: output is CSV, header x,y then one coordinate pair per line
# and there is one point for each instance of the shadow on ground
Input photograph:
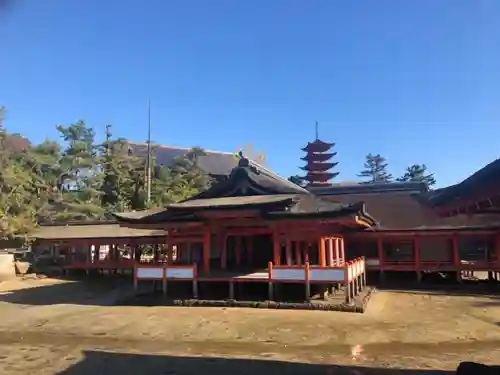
x,y
125,364
460,290
101,291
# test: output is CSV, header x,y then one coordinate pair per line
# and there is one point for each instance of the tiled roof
x,y
394,210
481,181
216,163
87,231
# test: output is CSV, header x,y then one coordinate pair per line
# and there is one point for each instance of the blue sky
x,y
417,81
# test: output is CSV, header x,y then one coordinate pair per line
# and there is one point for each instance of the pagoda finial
x,y
317,132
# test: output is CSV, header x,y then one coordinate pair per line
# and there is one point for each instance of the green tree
x,y
418,173
79,177
122,177
79,180
375,170
18,189
183,179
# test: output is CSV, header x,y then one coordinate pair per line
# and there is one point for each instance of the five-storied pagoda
x,y
317,159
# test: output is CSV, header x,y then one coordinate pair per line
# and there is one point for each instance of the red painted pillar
x,y
249,250
223,258
336,242
276,247
288,252
416,248
298,250
238,250
322,252
456,251
380,246
206,250
342,248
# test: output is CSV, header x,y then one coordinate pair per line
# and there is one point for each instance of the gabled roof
x,y
481,181
253,187
392,209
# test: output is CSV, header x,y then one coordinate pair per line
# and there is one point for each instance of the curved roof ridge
x,y
158,145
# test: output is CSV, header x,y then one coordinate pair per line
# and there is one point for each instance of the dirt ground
x,y
50,326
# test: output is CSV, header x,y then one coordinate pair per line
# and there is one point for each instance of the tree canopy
x,y
418,173
375,169
76,178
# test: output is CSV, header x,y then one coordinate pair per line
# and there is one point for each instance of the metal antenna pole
x,y
148,170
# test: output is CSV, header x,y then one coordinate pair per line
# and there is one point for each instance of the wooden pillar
x,y
456,258
306,251
189,255
170,254
308,283
322,252
238,250
288,251
298,250
206,250
417,255
270,282
136,280
380,246
497,251
195,280
342,248
164,280
456,251
249,250
329,255
348,286
276,247
336,243
223,258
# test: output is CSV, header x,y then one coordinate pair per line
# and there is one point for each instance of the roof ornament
x,y
242,160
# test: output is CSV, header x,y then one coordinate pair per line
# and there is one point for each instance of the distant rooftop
x,y
353,187
215,163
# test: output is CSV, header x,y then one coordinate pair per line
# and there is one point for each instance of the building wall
x,y
436,249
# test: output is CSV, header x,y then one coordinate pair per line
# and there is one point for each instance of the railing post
x,y
136,282
195,280
308,282
270,281
348,277
364,272
164,279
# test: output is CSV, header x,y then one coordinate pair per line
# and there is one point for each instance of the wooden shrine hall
x,y
256,227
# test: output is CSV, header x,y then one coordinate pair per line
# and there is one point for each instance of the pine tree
x,y
80,175
79,180
418,173
375,170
